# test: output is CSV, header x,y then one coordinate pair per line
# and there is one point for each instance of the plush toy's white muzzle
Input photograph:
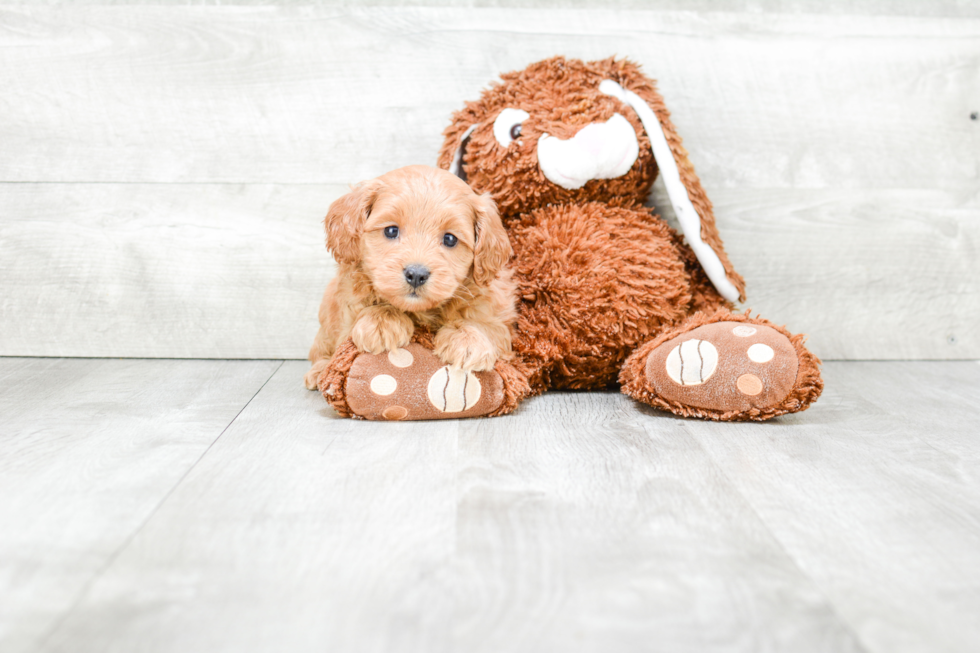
x,y
603,150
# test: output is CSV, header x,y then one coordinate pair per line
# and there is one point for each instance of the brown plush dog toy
x,y
569,151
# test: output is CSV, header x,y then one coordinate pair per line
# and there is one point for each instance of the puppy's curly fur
x,y
401,220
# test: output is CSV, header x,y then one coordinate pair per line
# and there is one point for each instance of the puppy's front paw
x,y
467,348
382,329
309,380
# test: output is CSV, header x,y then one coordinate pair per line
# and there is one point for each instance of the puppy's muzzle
x,y
416,275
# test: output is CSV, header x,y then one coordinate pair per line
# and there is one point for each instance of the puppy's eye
x,y
449,240
391,232
507,126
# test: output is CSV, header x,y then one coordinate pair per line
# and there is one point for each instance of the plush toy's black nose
x,y
416,274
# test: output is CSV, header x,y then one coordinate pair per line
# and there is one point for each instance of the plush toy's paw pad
x,y
412,384
725,367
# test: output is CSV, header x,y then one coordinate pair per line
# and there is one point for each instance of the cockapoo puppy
x,y
417,246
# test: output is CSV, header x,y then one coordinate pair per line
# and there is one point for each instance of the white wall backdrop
x,y
164,169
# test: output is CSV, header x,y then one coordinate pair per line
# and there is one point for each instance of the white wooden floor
x,y
188,505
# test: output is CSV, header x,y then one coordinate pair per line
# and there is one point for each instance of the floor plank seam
x,y
782,547
42,643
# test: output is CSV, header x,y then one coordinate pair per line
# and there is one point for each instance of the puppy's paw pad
x,y
411,383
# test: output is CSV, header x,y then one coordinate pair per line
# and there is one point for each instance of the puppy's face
x,y
418,243
419,233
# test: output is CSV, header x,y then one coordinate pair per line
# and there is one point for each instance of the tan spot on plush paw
x,y
760,353
453,390
383,384
395,412
692,362
743,331
401,358
749,384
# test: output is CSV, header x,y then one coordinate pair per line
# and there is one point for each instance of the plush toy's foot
x,y
412,384
724,367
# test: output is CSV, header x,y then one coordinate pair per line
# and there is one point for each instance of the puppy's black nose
x,y
416,274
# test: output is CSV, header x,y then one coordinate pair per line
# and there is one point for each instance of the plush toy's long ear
x,y
344,223
456,136
492,249
456,166
691,204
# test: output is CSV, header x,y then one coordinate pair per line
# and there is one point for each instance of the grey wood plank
x,y
875,493
587,525
205,270
332,95
157,270
578,524
931,8
88,450
298,529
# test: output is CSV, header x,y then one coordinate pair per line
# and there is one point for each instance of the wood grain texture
x,y
301,531
328,95
587,525
876,494
158,270
211,270
577,524
838,149
583,522
867,274
88,450
929,8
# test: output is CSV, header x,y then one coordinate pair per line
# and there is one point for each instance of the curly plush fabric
x,y
601,277
607,290
805,389
562,96
335,379
595,281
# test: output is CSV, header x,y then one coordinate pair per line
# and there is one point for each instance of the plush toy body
x,y
608,291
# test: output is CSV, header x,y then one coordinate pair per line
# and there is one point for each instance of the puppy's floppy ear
x,y
492,249
345,221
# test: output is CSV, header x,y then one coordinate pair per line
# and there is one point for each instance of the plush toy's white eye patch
x,y
507,125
